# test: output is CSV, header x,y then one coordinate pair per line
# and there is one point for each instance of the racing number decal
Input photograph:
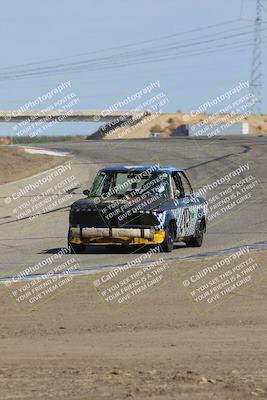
x,y
185,221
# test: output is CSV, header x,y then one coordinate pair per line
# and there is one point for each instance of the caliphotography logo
x,y
133,239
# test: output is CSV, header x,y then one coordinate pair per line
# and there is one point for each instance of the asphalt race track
x,y
26,241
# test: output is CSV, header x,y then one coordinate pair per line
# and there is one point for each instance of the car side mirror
x,y
86,192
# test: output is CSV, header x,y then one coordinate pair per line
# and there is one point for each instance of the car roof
x,y
155,168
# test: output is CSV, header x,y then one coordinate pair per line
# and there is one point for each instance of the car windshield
x,y
123,184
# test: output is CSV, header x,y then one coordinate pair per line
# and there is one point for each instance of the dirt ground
x,y
156,346
16,164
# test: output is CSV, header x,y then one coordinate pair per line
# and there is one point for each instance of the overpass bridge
x,y
70,116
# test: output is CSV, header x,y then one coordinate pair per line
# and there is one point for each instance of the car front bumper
x,y
106,236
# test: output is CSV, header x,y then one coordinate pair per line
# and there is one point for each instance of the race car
x,y
138,205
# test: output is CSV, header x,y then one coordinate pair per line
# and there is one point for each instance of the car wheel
x,y
197,239
167,245
77,248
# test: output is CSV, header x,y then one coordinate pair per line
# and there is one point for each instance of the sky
x,y
111,49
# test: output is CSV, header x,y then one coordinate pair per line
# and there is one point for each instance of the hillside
x,y
164,125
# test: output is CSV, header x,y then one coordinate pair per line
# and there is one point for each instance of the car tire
x,y
77,248
167,245
197,239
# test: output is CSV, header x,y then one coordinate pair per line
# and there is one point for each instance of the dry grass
x,y
16,164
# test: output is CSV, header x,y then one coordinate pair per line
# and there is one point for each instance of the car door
x,y
186,207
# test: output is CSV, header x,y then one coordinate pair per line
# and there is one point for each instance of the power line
x,y
105,50
125,54
121,58
212,50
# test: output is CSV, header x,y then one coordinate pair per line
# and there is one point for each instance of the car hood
x,y
96,203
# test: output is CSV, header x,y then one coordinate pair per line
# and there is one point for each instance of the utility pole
x,y
256,71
